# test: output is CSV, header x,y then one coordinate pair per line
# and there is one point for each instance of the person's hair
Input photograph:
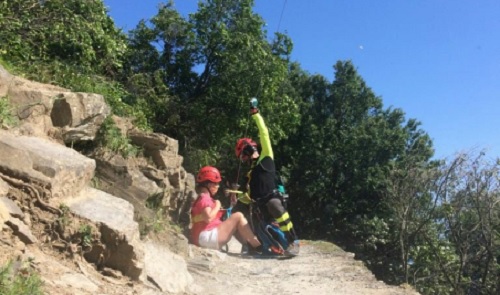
x,y
199,185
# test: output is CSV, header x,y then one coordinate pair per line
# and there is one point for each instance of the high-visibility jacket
x,y
262,175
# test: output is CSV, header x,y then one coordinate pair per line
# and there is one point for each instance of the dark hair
x,y
199,185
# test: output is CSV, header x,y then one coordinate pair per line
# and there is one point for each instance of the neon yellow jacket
x,y
262,175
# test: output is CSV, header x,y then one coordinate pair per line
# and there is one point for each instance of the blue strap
x,y
228,212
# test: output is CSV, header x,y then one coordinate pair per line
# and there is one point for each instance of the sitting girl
x,y
208,230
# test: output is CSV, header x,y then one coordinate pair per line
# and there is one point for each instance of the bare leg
x,y
237,222
238,237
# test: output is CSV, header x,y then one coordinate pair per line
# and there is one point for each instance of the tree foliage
x,y
73,44
471,219
206,69
336,176
76,32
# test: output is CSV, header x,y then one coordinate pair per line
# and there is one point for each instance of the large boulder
x,y
80,115
60,170
121,246
46,110
168,271
123,178
31,101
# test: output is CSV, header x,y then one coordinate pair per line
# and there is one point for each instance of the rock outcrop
x,y
43,181
120,246
61,170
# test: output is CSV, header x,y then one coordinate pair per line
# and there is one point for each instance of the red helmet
x,y
242,143
208,173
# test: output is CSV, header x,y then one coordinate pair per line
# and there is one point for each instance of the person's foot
x,y
244,249
293,249
249,250
256,250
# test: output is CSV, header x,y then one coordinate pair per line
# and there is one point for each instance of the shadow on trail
x,y
258,256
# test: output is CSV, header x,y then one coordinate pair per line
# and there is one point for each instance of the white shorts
x,y
209,239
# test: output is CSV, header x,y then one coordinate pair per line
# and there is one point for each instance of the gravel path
x,y
321,268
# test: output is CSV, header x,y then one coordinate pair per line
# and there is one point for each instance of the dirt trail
x,y
321,268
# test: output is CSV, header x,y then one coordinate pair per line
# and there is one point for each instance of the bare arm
x,y
210,213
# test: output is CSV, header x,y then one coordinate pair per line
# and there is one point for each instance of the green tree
x,y
156,73
342,163
70,31
204,74
410,219
72,43
345,158
458,252
470,201
306,151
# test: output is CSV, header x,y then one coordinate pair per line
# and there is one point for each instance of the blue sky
x,y
437,60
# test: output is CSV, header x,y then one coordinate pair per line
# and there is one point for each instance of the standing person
x,y
208,230
261,182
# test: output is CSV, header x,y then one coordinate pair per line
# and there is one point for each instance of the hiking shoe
x,y
244,249
249,250
293,249
256,250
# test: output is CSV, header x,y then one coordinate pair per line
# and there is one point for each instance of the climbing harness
x,y
273,240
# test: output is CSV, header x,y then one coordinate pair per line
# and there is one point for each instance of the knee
x,y
238,216
274,202
274,205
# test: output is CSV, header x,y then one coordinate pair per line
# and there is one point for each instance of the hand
x,y
234,186
231,188
228,192
232,196
254,102
253,106
234,200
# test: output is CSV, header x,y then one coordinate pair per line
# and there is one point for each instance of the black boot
x,y
247,249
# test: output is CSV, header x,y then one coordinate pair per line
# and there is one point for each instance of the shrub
x,y
17,281
6,116
111,138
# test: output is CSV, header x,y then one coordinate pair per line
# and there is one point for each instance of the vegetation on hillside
x,y
7,117
359,174
18,279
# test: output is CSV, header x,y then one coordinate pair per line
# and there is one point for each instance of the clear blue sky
x,y
438,60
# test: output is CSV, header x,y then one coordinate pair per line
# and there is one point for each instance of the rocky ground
x,y
321,268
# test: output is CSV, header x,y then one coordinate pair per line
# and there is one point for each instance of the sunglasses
x,y
247,152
